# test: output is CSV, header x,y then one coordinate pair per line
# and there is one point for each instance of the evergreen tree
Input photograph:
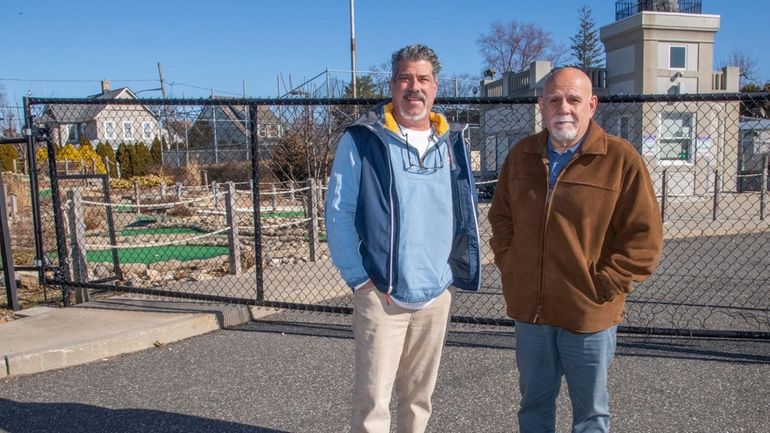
x,y
365,88
585,44
142,159
123,157
155,150
105,150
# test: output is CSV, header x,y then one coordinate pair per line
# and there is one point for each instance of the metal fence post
x,y
312,225
136,198
715,210
7,259
206,177
233,240
13,204
256,207
763,187
273,194
664,195
78,243
111,226
215,191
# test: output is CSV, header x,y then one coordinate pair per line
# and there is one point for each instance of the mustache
x,y
563,119
415,94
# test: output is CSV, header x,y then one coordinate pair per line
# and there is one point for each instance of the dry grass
x,y
28,298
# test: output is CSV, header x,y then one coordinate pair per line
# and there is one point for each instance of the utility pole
x,y
162,83
353,47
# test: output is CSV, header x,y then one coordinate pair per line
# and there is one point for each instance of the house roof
x,y
119,93
71,113
79,113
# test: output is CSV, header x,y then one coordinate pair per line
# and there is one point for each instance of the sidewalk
x,y
48,338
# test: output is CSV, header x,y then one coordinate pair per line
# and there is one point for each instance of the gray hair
x,y
413,53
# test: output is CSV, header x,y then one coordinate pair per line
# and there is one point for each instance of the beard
x,y
413,117
564,134
416,94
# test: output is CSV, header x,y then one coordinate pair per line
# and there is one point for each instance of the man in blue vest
x,y
401,225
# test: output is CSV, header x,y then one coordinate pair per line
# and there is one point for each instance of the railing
x,y
627,8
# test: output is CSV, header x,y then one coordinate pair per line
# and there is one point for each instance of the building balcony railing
x,y
627,8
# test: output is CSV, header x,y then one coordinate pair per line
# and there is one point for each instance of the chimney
x,y
105,86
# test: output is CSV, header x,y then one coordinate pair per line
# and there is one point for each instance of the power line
x,y
35,80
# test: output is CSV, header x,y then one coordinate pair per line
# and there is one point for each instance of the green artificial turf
x,y
149,255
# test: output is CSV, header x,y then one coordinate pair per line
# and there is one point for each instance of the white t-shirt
x,y
420,140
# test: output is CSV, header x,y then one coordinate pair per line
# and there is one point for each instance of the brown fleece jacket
x,y
569,260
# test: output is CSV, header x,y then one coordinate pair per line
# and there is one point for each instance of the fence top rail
x,y
758,96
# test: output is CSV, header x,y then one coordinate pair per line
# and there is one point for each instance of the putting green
x,y
149,255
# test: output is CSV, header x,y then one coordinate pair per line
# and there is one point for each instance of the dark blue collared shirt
x,y
557,161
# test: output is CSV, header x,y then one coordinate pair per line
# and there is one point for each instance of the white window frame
x,y
665,134
128,130
671,47
146,130
73,131
109,130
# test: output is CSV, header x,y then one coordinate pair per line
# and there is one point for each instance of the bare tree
x,y
462,85
512,46
745,62
7,124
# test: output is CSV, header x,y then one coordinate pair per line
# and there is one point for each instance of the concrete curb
x,y
82,352
103,329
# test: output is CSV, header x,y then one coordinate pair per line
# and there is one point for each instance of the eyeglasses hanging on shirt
x,y
427,162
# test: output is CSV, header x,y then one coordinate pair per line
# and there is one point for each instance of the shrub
x,y
8,154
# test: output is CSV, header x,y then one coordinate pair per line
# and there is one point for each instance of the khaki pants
x,y
395,345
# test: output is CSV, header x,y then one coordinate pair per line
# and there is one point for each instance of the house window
x,y
677,57
128,131
146,130
676,134
72,134
109,130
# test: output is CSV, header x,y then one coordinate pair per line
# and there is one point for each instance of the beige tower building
x,y
654,47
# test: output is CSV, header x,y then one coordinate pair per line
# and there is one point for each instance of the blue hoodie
x,y
411,230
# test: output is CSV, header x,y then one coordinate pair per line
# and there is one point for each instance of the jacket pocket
x,y
603,286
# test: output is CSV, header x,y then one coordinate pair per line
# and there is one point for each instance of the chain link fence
x,y
222,199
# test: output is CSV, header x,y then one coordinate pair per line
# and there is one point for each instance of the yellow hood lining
x,y
438,121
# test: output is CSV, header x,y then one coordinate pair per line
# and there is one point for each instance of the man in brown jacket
x,y
575,223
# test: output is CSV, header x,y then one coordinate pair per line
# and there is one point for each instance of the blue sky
x,y
204,45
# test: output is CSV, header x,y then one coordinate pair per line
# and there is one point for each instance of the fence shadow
x,y
22,417
739,351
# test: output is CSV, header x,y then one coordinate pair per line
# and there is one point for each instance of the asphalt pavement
x,y
291,372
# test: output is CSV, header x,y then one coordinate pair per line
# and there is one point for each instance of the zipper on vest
x,y
392,219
